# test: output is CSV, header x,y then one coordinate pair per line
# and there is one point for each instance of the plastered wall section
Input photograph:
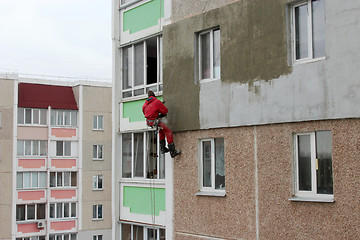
x,y
6,155
234,216
259,83
96,101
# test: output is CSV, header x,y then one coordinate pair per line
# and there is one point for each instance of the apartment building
x,y
55,156
263,98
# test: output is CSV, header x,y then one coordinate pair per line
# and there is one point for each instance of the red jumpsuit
x,y
151,109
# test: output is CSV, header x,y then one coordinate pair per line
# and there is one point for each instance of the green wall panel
x,y
133,110
141,200
143,16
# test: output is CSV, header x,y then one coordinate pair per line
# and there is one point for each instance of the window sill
x,y
211,194
207,80
98,159
98,190
311,199
304,61
98,130
100,219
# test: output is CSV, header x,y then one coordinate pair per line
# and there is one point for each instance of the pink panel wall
x,y
61,226
63,194
63,132
28,228
31,195
31,133
31,163
63,163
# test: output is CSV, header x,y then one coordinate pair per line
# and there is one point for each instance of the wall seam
x,y
256,186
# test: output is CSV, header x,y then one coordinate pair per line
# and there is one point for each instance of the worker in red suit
x,y
154,110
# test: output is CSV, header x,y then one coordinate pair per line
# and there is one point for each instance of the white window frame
x,y
62,204
65,146
308,195
31,180
155,87
35,212
96,125
96,181
62,236
99,152
39,111
145,230
199,57
96,209
39,142
62,185
310,57
98,237
159,162
56,112
208,190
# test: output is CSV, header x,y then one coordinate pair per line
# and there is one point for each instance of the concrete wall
x,y
96,101
235,215
6,156
259,84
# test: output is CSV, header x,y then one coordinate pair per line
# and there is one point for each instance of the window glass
x,y
20,116
94,151
206,154
52,179
219,164
66,118
36,117
43,116
99,214
43,148
205,55
35,148
60,118
42,179
100,179
138,232
216,57
126,155
100,151
152,60
100,122
139,64
152,234
59,213
40,212
30,212
74,118
53,117
27,179
151,164
59,148
66,210
318,27
94,211
301,31
73,209
73,179
59,179
20,148
67,148
125,231
28,116
139,154
304,162
52,210
34,182
127,68
19,180
66,179
324,163
27,147
20,212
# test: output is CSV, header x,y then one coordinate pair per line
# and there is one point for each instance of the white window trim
x,y
57,111
211,78
63,150
308,196
144,86
32,148
32,117
63,210
97,211
98,147
31,179
208,191
35,213
96,118
96,237
62,180
96,179
145,229
310,57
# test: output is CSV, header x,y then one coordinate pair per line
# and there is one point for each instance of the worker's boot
x,y
173,152
163,148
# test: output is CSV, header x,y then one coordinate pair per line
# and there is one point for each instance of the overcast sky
x,y
70,38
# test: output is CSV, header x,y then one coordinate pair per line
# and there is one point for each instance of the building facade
x,y
56,150
263,99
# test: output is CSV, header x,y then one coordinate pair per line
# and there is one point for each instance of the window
x,y
134,156
308,19
66,236
62,210
30,212
98,237
97,152
98,122
32,116
63,179
98,182
313,165
63,148
32,238
212,165
64,118
97,212
135,232
31,148
208,43
142,68
30,180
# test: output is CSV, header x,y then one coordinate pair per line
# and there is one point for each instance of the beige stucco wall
x,y
6,155
234,216
96,101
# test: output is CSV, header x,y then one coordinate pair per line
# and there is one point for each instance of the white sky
x,y
69,38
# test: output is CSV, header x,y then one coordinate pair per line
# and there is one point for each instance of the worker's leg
x,y
165,131
169,137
